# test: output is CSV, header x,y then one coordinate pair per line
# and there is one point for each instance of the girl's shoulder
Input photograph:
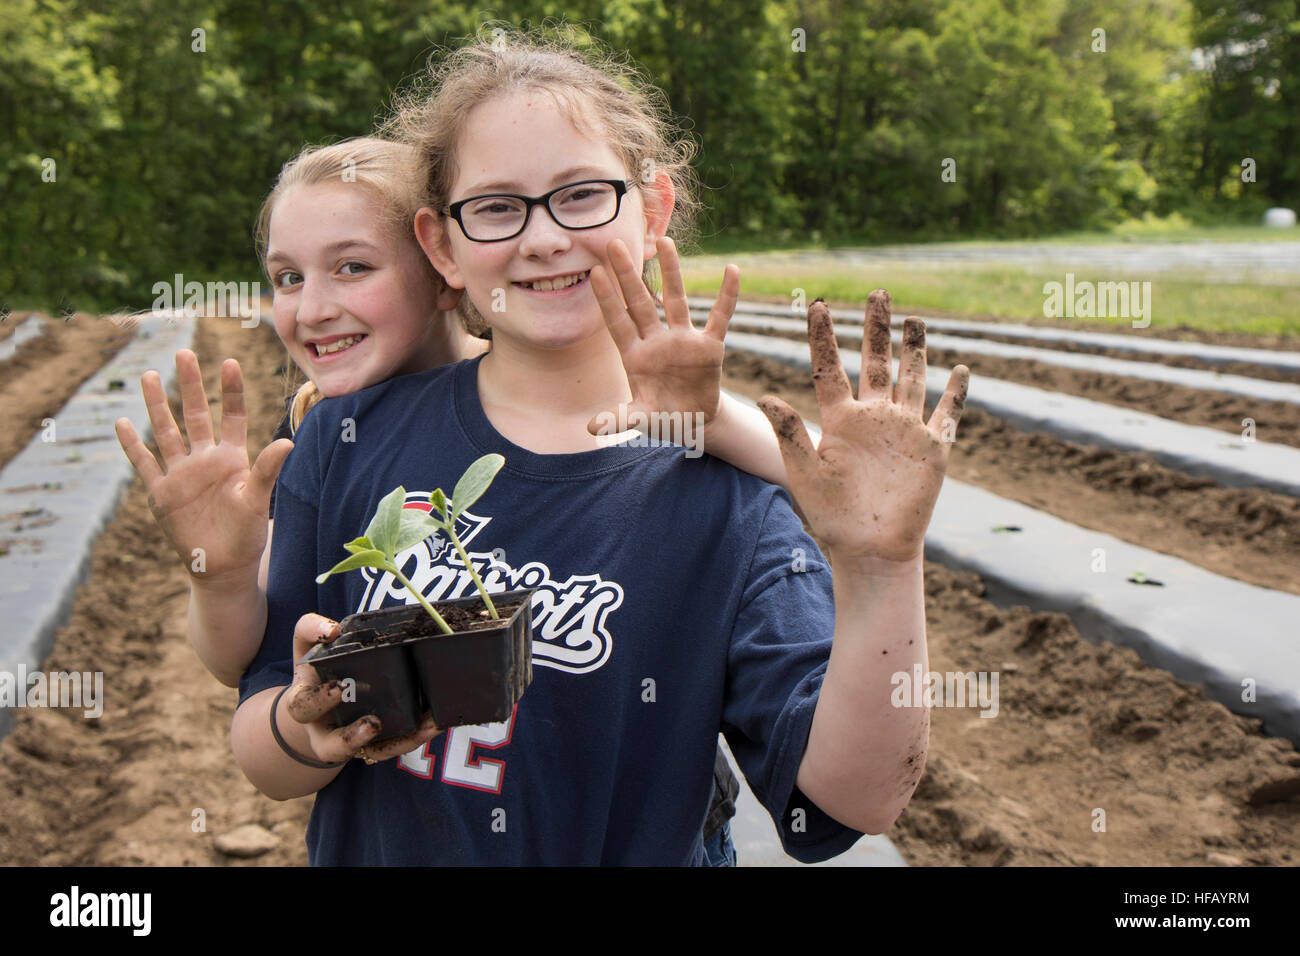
x,y
396,389
717,486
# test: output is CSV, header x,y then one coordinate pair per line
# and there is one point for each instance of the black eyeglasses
x,y
500,216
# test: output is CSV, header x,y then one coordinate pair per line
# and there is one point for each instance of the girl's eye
x,y
359,265
496,208
280,279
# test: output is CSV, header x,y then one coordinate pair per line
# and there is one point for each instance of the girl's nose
x,y
316,303
543,236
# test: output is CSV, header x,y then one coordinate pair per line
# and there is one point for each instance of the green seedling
x,y
1140,577
393,529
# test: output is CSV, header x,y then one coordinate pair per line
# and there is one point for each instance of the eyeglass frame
x,y
621,186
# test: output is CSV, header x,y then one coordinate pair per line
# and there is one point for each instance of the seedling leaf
x,y
386,525
362,559
415,527
357,545
439,502
474,482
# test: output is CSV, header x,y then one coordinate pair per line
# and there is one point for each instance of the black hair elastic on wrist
x,y
275,732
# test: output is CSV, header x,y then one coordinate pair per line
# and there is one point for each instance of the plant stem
x,y
420,597
474,574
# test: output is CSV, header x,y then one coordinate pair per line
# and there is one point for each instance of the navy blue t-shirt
x,y
676,596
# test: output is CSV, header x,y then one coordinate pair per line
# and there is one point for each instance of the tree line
x,y
140,137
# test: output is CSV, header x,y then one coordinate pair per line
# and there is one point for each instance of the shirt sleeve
x,y
780,646
291,578
284,430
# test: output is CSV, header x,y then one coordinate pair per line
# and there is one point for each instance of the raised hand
x,y
869,490
672,368
207,498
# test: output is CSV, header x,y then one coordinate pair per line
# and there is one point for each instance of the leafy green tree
x,y
1250,55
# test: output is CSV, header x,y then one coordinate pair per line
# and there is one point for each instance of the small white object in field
x,y
1279,217
247,841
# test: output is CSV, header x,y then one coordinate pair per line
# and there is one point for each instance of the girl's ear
x,y
432,237
448,298
660,197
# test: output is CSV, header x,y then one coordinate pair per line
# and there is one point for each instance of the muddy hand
x,y
869,490
673,368
309,702
207,500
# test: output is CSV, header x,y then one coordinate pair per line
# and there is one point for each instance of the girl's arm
x,y
302,718
869,491
228,618
742,436
213,509
264,763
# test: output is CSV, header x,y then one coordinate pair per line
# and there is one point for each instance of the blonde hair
x,y
620,103
389,169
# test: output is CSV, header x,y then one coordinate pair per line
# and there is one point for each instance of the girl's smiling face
x,y
353,305
523,143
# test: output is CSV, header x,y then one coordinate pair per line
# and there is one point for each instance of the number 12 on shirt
x,y
460,766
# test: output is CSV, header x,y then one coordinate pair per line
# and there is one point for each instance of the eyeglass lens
x,y
580,206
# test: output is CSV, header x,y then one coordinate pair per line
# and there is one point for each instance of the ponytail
x,y
303,400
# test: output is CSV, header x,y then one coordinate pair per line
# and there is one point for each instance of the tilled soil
x,y
1178,779
1244,533
14,320
853,311
153,780
1247,369
1277,422
46,371
1079,729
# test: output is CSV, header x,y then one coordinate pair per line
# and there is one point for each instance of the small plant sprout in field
x,y
394,528
1140,577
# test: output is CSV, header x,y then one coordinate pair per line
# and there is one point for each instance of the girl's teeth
x,y
339,345
547,285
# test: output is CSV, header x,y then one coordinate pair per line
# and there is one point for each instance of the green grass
x,y
1006,292
1170,229
1164,231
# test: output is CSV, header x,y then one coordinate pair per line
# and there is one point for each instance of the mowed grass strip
x,y
1010,292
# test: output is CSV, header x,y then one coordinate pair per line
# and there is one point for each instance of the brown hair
x,y
596,90
389,169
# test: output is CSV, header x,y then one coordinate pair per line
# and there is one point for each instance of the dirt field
x,y
123,789
47,370
1080,727
1276,422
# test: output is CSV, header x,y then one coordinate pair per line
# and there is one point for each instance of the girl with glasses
x,y
677,596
